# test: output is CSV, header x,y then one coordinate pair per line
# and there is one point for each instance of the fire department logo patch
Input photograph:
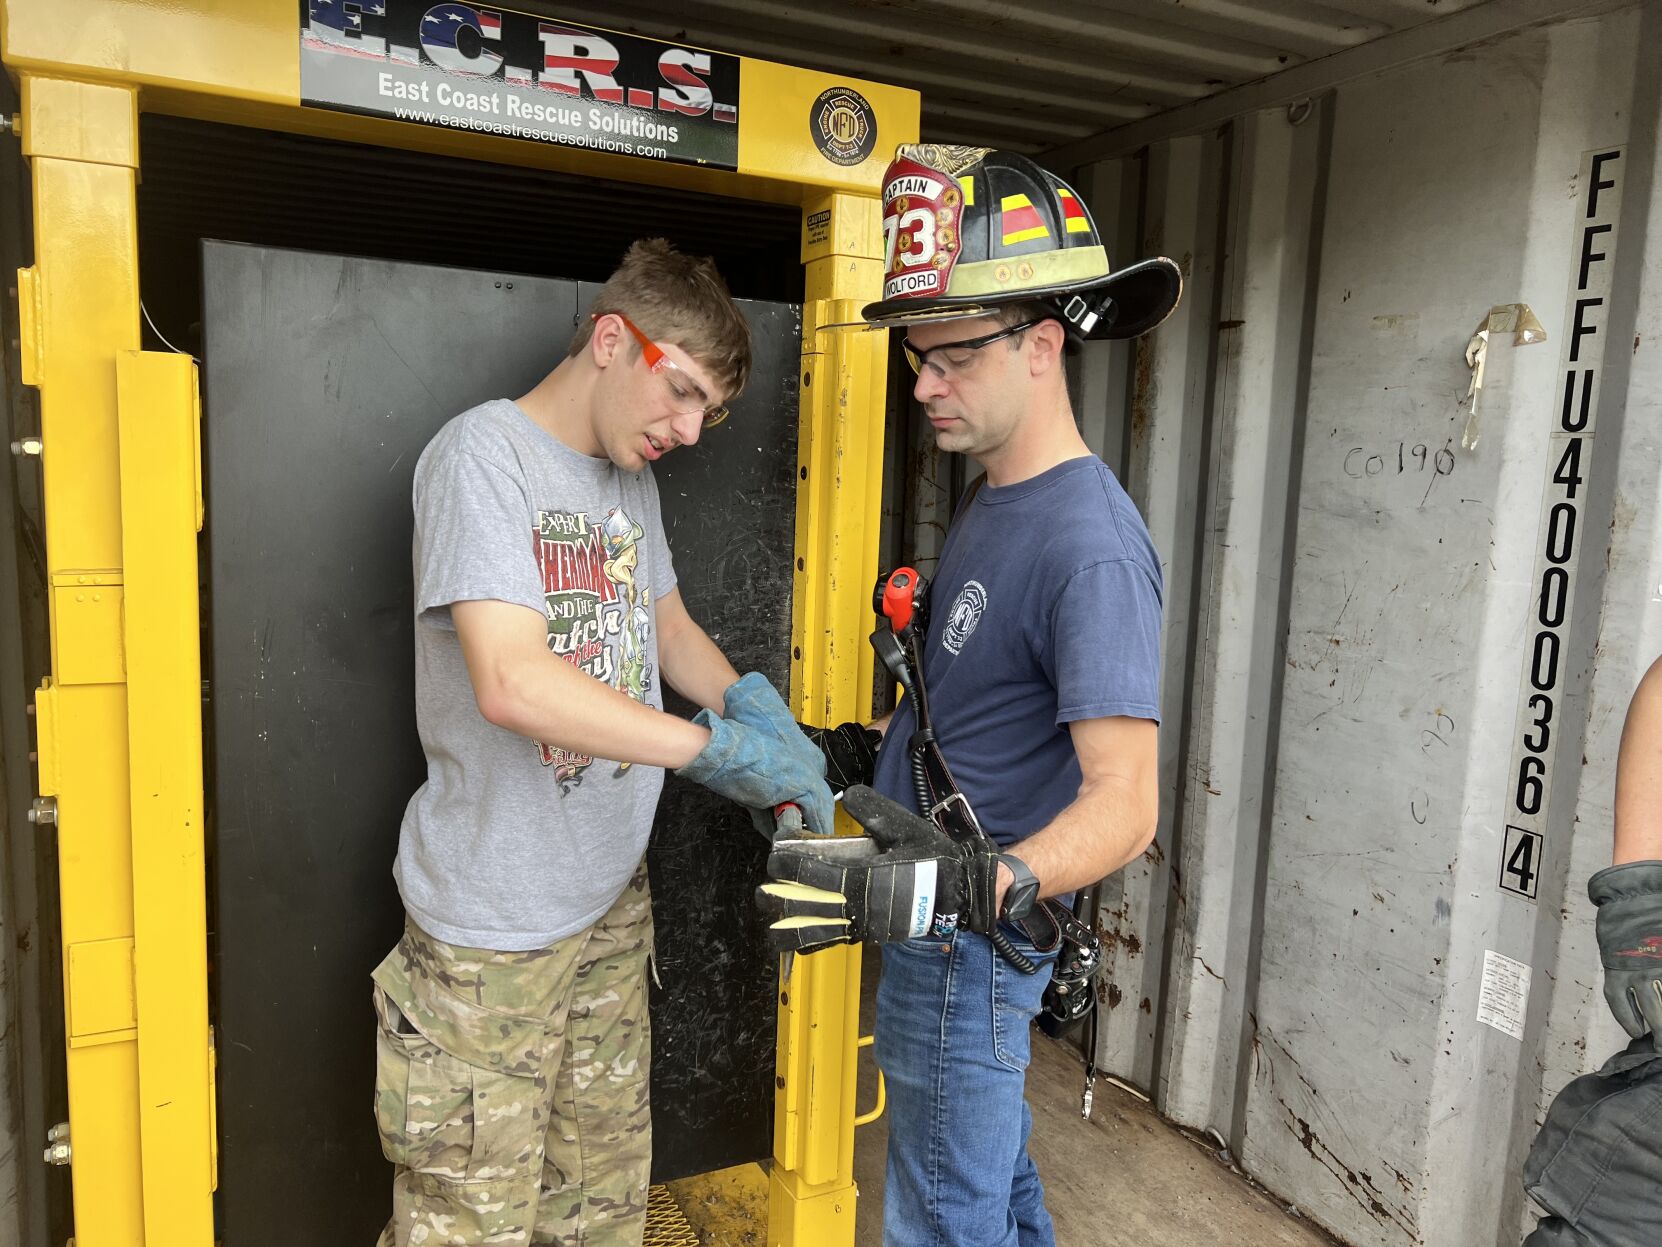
x,y
843,125
965,614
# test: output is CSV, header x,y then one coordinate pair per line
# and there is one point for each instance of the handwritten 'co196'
x,y
1416,458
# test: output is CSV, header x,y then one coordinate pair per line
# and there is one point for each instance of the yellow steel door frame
x,y
118,721
838,502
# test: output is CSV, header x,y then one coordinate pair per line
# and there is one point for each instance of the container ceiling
x,y
1035,75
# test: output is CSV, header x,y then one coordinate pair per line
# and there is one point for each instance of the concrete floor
x,y
1125,1178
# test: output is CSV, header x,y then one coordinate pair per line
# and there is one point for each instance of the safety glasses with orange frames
x,y
682,388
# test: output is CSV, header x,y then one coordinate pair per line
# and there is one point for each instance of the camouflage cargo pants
x,y
511,1088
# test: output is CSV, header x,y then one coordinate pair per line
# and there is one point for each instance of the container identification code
x,y
1558,540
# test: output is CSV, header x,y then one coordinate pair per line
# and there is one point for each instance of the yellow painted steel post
x,y
839,493
78,313
78,306
161,513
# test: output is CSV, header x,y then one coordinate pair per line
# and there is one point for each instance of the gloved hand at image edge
x,y
904,879
1629,900
762,764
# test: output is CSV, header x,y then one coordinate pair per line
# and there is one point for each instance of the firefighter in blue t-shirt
x,y
1041,674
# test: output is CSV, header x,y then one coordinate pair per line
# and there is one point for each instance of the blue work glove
x,y
1629,898
754,702
761,767
850,749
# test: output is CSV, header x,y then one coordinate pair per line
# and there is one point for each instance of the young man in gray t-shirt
x,y
511,1086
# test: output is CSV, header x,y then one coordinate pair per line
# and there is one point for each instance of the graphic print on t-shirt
x,y
964,615
599,619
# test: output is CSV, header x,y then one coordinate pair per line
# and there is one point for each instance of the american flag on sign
x,y
441,24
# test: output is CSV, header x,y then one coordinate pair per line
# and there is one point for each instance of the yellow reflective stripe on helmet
x,y
1026,235
1039,271
969,190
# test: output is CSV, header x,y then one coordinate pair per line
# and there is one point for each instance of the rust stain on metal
x,y
1142,393
1359,1186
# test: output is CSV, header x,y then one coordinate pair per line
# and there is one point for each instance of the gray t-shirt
x,y
511,844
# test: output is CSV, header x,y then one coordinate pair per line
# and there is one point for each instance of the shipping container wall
x,y
1403,618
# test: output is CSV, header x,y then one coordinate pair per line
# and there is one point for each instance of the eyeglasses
x,y
945,365
680,384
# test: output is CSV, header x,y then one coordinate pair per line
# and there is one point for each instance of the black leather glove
x,y
1629,898
903,880
850,751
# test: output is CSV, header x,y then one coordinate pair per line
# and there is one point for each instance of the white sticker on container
x,y
923,898
1504,997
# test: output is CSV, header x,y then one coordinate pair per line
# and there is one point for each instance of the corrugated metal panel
x,y
1037,75
1355,577
285,190
310,192
1354,606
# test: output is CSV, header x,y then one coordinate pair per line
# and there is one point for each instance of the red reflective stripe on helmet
x,y
1019,220
1073,212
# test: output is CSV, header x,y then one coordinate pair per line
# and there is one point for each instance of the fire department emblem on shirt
x,y
964,615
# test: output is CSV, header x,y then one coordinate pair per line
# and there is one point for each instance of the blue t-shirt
x,y
1045,609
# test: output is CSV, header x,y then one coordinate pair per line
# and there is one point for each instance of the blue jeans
x,y
953,1041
